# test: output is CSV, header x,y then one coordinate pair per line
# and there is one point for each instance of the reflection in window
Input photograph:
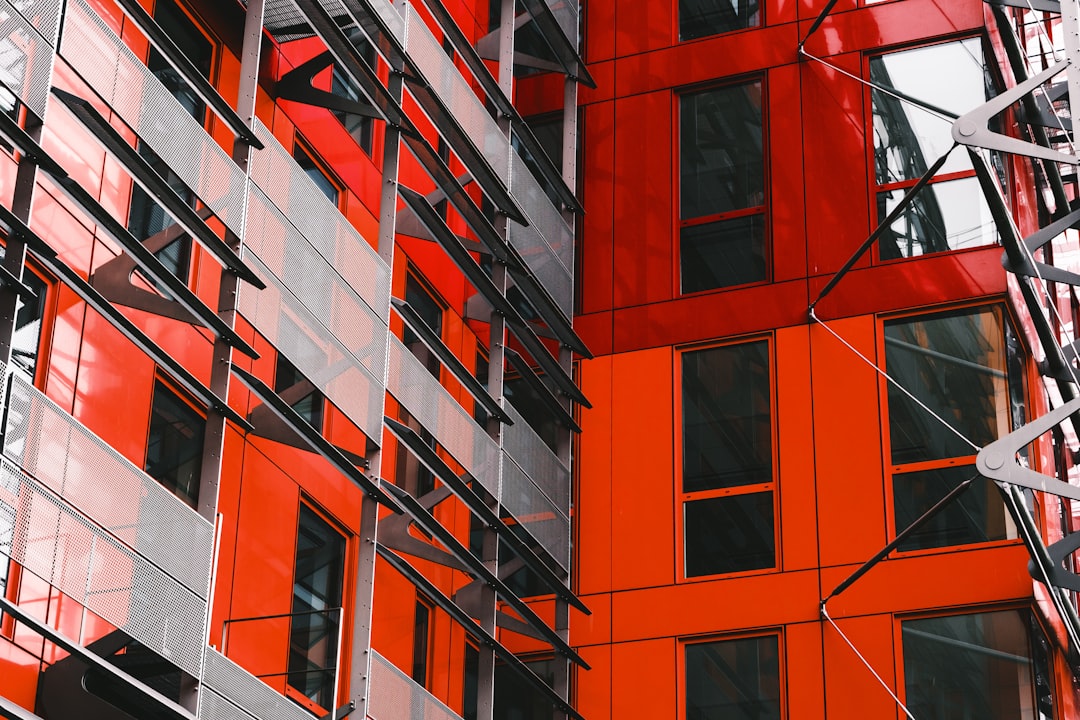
x,y
146,218
26,340
310,405
984,665
727,446
359,126
316,174
957,364
470,682
722,188
702,18
430,311
908,140
516,698
175,444
316,607
422,628
733,680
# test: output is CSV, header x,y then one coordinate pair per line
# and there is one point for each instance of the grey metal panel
x,y
213,706
54,541
437,410
315,282
566,12
285,321
26,59
64,456
320,222
446,81
526,448
43,15
124,82
243,689
395,696
535,512
543,216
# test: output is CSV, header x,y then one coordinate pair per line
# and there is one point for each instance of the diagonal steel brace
x,y
997,460
972,128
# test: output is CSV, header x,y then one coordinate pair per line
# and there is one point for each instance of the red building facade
x,y
416,359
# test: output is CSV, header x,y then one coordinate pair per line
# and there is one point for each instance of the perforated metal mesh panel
x,y
43,15
318,229
82,469
313,280
535,511
54,541
395,696
314,350
437,410
125,83
449,85
545,219
237,685
214,707
533,456
26,56
534,248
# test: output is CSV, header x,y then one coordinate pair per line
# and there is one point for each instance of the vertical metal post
x,y
216,424
363,600
1070,26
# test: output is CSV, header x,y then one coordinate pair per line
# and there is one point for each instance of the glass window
x,y
733,679
727,460
470,682
949,213
26,340
702,18
316,607
175,444
516,698
722,236
422,628
315,172
430,310
360,127
992,665
310,405
957,364
145,217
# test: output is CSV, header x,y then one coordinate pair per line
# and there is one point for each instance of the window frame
x,y
683,498
891,470
192,251
681,690
343,653
1033,616
899,187
161,380
677,38
763,210
302,146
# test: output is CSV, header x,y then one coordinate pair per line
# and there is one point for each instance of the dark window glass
x,y
733,680
175,444
421,642
727,534
310,405
481,373
945,215
722,188
470,683
146,218
431,311
978,515
701,18
721,156
965,366
722,253
980,665
516,698
26,341
316,607
359,126
533,410
954,363
410,474
312,170
727,432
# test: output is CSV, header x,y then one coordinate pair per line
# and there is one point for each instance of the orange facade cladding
x,y
832,477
